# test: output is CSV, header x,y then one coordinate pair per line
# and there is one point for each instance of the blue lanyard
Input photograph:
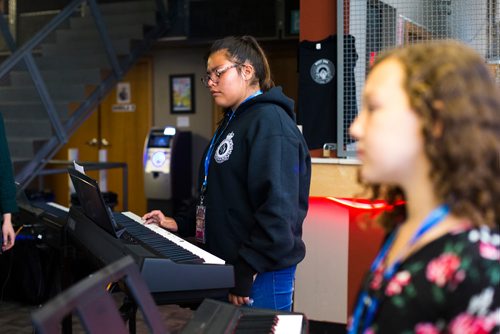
x,y
371,304
215,139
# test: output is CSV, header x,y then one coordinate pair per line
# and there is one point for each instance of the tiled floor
x,y
15,318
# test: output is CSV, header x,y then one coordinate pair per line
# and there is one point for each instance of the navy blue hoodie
x,y
258,189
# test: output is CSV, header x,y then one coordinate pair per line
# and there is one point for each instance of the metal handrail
x,y
110,50
90,165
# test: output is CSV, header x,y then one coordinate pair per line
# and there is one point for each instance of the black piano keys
x,y
157,242
256,324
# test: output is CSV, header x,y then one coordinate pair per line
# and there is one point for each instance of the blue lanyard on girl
x,y
215,139
371,304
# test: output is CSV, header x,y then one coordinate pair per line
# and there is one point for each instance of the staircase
x,y
52,83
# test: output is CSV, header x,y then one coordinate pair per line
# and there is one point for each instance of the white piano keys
x,y
288,324
206,256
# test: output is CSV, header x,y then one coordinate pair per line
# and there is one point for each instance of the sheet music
x,y
58,206
78,167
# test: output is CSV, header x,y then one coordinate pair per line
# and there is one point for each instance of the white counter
x,y
336,161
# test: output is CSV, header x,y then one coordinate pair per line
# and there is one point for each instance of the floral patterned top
x,y
451,285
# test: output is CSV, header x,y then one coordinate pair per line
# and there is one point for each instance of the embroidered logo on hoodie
x,y
224,149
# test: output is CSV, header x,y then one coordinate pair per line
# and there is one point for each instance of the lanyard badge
x,y
201,209
200,222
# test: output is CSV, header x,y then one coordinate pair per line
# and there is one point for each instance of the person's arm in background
x,y
8,203
8,234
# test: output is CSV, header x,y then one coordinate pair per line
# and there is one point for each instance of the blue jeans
x,y
274,289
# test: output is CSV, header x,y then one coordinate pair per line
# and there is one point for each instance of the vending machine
x,y
167,169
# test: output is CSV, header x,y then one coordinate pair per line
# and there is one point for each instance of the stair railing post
x,y
7,35
42,90
13,18
108,46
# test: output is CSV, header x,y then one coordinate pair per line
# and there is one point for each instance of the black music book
x,y
92,202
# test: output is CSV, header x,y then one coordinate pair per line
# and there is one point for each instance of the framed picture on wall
x,y
182,94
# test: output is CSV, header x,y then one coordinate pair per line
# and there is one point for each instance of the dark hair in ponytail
x,y
246,49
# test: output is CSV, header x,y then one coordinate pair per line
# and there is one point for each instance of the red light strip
x,y
358,205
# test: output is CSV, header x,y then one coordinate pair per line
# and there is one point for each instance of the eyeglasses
x,y
215,75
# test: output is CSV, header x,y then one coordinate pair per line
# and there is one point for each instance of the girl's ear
x,y
247,71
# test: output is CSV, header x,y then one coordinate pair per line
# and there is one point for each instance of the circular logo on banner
x,y
322,71
224,149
